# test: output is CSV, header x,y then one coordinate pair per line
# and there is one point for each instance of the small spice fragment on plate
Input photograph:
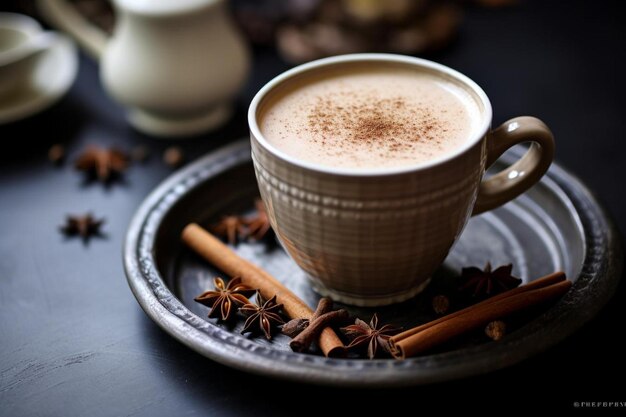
x,y
225,299
303,341
56,154
486,283
370,335
294,327
496,330
264,316
441,304
231,228
84,226
103,164
174,156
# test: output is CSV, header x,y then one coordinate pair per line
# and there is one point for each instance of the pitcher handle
x,y
66,17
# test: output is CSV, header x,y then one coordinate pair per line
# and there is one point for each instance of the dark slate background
x,y
74,342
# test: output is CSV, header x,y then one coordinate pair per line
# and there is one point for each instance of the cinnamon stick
x,y
217,253
538,283
475,317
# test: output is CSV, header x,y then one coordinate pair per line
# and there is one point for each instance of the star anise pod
x,y
84,226
262,316
226,298
230,227
258,226
486,283
370,335
103,164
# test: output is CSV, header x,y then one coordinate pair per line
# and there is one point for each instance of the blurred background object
x,y
99,12
37,67
177,67
309,29
304,30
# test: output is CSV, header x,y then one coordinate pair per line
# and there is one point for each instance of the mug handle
x,y
523,174
64,16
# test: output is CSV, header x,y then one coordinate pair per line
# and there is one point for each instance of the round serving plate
x,y
557,225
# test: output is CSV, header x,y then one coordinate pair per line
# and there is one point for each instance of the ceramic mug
x,y
375,238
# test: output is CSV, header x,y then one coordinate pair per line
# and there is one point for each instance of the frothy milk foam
x,y
369,116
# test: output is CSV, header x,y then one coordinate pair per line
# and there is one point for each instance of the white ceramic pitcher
x,y
177,65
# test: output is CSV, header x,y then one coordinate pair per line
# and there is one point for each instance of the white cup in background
x,y
22,43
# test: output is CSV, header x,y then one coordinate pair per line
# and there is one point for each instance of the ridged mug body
x,y
374,239
374,236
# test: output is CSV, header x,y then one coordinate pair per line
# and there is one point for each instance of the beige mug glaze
x,y
375,238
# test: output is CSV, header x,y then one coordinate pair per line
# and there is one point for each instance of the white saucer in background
x,y
51,79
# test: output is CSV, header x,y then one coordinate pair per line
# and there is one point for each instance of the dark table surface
x,y
74,342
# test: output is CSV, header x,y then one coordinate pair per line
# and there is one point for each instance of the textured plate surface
x,y
557,225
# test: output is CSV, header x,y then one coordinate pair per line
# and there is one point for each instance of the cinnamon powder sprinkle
x,y
388,123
